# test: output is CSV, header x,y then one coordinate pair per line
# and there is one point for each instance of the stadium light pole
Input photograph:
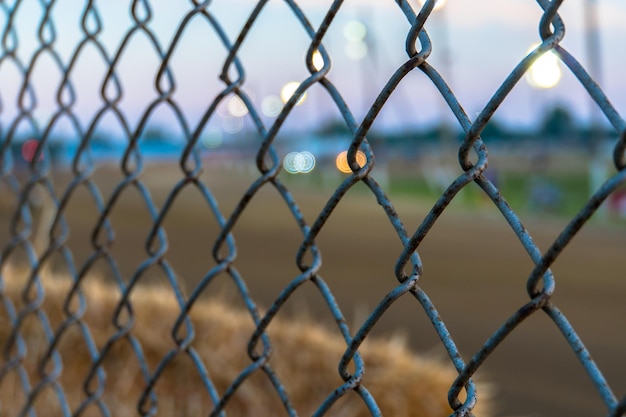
x,y
445,128
446,135
444,44
597,166
357,42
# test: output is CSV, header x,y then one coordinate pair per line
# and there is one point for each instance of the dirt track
x,y
474,271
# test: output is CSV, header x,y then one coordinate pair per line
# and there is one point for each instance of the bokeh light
x,y
288,90
299,162
318,60
545,71
356,50
212,138
438,4
236,107
354,31
271,106
232,124
29,148
342,161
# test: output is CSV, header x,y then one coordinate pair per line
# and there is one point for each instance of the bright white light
x,y
356,50
438,4
318,61
299,162
288,90
236,107
545,71
354,31
271,106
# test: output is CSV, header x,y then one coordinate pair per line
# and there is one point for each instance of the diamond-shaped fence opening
x,y
204,211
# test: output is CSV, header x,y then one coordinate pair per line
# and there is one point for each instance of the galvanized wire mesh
x,y
22,185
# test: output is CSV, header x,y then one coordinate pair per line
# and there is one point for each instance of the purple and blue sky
x,y
483,41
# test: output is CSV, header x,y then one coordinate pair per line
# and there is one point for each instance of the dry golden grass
x,y
305,357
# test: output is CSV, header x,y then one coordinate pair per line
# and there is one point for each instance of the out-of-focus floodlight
x,y
232,124
342,161
355,33
545,71
356,50
299,162
236,107
318,60
271,106
287,91
212,138
438,4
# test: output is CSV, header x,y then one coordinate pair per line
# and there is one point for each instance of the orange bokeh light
x,y
342,161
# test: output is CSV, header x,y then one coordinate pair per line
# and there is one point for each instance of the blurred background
x,y
476,45
550,147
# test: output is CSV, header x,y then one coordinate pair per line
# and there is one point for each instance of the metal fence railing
x,y
43,99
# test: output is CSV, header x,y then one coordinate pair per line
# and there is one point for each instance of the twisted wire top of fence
x,y
25,116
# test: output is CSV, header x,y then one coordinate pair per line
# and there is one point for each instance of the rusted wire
x,y
472,156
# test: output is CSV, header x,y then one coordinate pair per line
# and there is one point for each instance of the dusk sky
x,y
483,40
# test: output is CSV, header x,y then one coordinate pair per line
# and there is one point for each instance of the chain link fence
x,y
36,193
